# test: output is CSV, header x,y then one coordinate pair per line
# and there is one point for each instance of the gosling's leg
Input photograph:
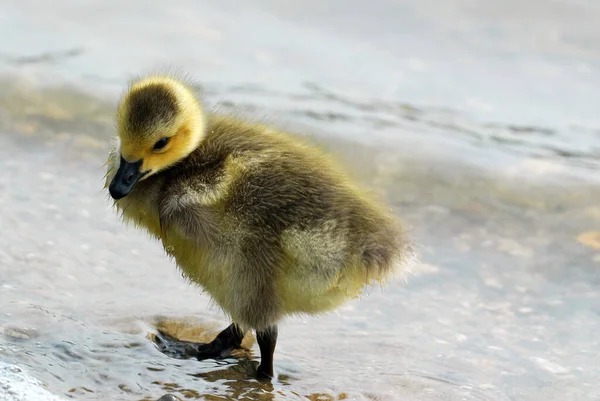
x,y
220,347
266,339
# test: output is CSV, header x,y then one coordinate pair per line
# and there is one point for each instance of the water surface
x,y
479,124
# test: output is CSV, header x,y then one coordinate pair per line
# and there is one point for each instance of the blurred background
x,y
478,121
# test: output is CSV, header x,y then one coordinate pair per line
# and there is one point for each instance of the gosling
x,y
267,224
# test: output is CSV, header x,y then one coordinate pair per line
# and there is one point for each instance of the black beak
x,y
126,177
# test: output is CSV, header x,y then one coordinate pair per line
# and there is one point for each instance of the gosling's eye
x,y
161,143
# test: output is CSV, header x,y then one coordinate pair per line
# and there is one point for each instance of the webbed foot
x,y
228,340
263,373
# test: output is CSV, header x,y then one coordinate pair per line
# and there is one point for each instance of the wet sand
x,y
503,205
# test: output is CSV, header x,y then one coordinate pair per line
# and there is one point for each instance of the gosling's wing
x,y
183,213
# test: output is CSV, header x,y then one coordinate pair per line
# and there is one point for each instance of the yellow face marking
x,y
185,130
169,155
134,149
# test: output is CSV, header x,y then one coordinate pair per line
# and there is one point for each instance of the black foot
x,y
220,347
263,373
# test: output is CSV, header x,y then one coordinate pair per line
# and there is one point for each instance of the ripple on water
x,y
17,385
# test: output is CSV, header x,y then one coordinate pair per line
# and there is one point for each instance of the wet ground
x,y
479,124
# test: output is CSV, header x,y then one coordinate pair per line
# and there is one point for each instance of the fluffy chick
x,y
267,224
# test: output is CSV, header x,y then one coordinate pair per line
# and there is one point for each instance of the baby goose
x,y
268,225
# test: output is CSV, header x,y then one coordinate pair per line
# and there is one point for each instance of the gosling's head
x,y
159,122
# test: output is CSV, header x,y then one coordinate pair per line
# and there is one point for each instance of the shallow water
x,y
483,133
